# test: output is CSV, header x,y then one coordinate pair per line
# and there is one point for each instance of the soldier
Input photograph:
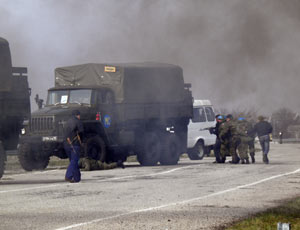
x,y
72,143
224,139
215,130
230,138
251,145
91,164
242,130
263,130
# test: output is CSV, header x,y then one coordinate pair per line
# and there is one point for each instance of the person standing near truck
x,y
251,142
229,135
242,131
72,143
263,130
215,130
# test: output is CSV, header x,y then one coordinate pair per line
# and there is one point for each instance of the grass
x,y
289,212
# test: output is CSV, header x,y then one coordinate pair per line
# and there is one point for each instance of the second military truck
x,y
14,102
138,109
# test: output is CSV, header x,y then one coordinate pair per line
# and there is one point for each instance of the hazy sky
x,y
237,53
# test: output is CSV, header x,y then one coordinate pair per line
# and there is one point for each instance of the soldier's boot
x,y
235,160
242,161
223,159
247,161
252,158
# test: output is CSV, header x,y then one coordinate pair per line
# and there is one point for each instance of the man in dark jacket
x,y
72,143
263,129
217,146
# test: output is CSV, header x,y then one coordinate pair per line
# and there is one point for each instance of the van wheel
x,y
29,161
149,153
171,150
2,160
95,148
198,152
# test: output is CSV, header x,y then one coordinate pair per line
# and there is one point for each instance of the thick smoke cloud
x,y
237,53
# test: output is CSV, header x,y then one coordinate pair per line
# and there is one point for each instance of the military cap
x,y
229,116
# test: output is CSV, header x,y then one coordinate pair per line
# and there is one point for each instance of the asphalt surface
x,y
190,195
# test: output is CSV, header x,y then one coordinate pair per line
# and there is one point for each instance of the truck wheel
x,y
95,148
2,160
197,153
149,153
29,161
171,150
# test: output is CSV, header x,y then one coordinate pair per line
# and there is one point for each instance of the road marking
x,y
31,173
103,180
149,175
32,188
178,203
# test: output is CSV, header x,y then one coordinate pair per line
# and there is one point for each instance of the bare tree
x,y
282,119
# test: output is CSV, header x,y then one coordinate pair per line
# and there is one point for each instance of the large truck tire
x,y
171,150
29,161
149,152
2,160
95,148
198,152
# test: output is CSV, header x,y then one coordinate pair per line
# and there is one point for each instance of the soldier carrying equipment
x,y
229,135
242,131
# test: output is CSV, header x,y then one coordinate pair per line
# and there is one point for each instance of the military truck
x,y
14,102
140,109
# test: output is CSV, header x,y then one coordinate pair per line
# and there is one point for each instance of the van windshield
x,y
74,96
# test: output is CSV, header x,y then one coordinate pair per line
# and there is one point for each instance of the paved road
x,y
190,195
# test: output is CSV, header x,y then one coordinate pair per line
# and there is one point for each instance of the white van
x,y
200,141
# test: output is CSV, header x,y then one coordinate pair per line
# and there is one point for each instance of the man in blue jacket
x,y
72,143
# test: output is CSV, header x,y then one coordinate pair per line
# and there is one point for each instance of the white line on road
x,y
32,188
181,202
103,180
149,175
33,173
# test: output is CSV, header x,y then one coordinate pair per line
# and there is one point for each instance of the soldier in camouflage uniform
x,y
251,145
90,164
242,130
220,147
230,138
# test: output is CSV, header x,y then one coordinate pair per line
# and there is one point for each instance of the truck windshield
x,y
76,96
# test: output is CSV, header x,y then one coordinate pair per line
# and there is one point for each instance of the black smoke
x,y
237,53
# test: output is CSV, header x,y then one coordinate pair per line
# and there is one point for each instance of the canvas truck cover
x,y
130,82
5,66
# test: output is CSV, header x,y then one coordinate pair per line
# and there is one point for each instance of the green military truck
x,y
14,102
128,109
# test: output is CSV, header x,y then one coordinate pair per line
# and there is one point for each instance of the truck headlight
x,y
23,131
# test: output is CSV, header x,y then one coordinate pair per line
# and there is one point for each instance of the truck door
x,y
105,106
